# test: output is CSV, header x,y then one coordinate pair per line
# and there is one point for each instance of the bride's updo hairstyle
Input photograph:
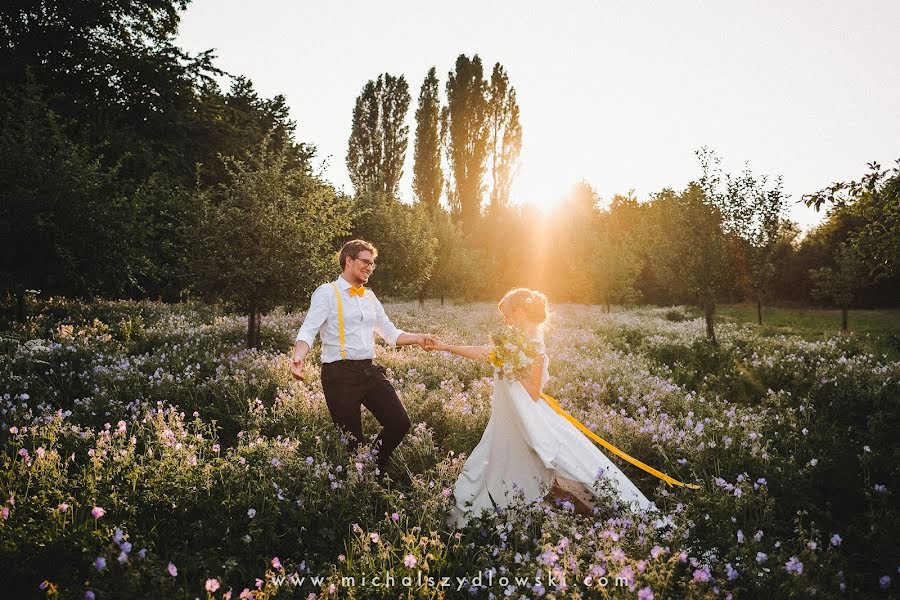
x,y
533,304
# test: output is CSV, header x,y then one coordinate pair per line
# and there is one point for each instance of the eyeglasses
x,y
369,263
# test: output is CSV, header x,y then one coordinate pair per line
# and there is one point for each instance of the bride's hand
x,y
434,343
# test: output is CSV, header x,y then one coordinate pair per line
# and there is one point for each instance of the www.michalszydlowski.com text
x,y
487,579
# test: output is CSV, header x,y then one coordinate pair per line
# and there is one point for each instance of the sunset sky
x,y
617,93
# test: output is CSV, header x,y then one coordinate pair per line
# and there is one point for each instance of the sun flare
x,y
543,195
545,203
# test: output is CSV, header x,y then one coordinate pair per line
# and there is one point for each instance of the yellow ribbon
x,y
337,295
669,480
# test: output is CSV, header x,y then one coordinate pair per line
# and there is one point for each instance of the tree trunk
x,y
422,298
709,311
759,310
844,318
253,328
442,298
21,308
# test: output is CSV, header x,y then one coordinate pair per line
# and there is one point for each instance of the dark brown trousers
x,y
350,384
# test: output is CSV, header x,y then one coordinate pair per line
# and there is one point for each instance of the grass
x,y
881,326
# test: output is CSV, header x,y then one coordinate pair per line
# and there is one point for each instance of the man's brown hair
x,y
353,248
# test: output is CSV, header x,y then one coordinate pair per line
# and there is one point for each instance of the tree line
x,y
128,172
723,237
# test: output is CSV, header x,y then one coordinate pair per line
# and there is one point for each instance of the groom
x,y
347,315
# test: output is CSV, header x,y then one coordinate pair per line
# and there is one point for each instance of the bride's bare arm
x,y
473,352
532,382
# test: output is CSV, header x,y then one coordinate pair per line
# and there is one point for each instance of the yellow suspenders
x,y
337,296
340,311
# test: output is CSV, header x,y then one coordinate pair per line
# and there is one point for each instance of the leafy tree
x,y
63,226
690,249
161,214
452,258
751,212
464,127
509,252
364,154
840,284
789,277
264,238
616,269
428,177
505,136
404,237
379,137
135,115
591,260
235,123
453,271
875,201
114,75
573,227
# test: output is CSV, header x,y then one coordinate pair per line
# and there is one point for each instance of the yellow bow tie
x,y
360,291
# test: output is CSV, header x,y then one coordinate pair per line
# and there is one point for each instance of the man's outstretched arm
x,y
315,317
389,332
408,339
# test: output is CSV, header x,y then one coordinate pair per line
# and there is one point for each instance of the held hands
x,y
432,342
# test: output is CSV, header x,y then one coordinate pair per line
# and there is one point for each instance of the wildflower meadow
x,y
147,454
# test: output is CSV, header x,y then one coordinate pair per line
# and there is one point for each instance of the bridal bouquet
x,y
513,353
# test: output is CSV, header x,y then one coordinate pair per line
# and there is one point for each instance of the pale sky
x,y
617,93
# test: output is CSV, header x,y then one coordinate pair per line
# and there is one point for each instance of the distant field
x,y
883,326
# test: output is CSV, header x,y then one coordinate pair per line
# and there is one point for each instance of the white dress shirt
x,y
363,317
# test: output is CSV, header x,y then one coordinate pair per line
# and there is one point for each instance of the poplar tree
x,y
465,131
505,136
428,177
379,137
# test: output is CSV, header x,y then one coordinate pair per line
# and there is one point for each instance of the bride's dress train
x,y
525,446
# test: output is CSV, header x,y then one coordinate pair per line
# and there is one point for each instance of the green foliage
x,y
875,202
264,238
428,176
406,242
751,212
236,123
594,259
128,128
465,131
505,136
839,285
378,137
453,272
65,229
690,250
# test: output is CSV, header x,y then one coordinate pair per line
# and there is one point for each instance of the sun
x,y
543,195
545,204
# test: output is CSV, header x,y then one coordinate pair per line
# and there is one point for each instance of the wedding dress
x,y
525,445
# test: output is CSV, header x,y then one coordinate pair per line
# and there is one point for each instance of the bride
x,y
527,447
